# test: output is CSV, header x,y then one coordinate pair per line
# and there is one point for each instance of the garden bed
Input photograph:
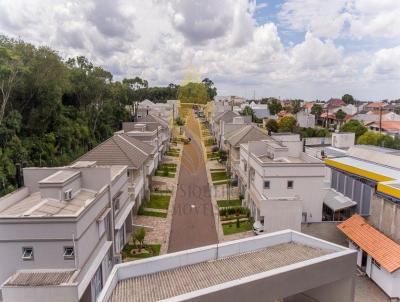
x,y
149,250
231,228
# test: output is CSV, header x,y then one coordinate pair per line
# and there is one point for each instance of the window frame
x,y
68,257
31,257
292,186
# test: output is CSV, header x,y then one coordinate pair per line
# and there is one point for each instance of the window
x,y
69,252
27,253
290,184
116,202
266,184
376,264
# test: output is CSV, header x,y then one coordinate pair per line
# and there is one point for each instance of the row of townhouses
x,y
286,181
63,231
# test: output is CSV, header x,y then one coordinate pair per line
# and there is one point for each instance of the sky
x,y
309,49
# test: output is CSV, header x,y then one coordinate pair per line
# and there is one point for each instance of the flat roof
x,y
35,206
40,278
177,281
337,201
60,176
364,168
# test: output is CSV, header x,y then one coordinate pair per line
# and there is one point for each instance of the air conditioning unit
x,y
68,195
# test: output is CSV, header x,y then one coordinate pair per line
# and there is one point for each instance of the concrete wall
x,y
281,215
385,216
304,177
42,294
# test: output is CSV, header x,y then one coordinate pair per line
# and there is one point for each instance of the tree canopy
x,y
54,110
287,124
195,93
354,126
274,106
348,99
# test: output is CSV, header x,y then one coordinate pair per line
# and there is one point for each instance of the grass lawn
x,y
171,174
229,203
158,202
171,167
173,154
152,250
230,228
221,175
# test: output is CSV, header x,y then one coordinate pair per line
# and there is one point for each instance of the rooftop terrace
x,y
36,206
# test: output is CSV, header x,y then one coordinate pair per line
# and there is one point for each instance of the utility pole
x,y
380,120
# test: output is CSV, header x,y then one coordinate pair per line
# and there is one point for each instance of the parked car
x,y
258,228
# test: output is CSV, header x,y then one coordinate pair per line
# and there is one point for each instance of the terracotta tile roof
x,y
308,105
332,103
376,105
380,247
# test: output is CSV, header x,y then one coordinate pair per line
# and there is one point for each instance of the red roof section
x,y
308,105
376,105
380,247
332,103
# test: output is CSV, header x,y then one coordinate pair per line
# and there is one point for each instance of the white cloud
x,y
161,40
385,64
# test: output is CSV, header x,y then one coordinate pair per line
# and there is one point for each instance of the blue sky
x,y
288,48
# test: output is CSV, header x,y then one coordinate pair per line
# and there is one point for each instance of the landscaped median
x,y
156,206
234,218
166,170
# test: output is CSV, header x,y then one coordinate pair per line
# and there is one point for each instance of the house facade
x,y
63,231
275,177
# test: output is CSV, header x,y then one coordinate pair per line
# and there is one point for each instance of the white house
x,y
275,176
377,255
61,233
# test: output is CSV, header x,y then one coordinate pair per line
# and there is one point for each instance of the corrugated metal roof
x,y
380,247
40,278
185,279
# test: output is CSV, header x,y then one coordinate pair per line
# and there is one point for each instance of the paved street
x,y
193,222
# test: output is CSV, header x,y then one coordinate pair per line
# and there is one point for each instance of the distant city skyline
x,y
284,48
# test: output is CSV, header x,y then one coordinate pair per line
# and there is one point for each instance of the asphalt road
x,y
193,222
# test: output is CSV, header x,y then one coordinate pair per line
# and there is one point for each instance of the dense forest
x,y
53,110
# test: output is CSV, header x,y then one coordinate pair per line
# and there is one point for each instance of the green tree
x,y
296,106
340,115
287,124
354,126
316,110
139,236
348,99
272,125
274,106
195,93
369,138
211,90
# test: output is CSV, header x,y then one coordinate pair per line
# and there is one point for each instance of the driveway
x,y
193,223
